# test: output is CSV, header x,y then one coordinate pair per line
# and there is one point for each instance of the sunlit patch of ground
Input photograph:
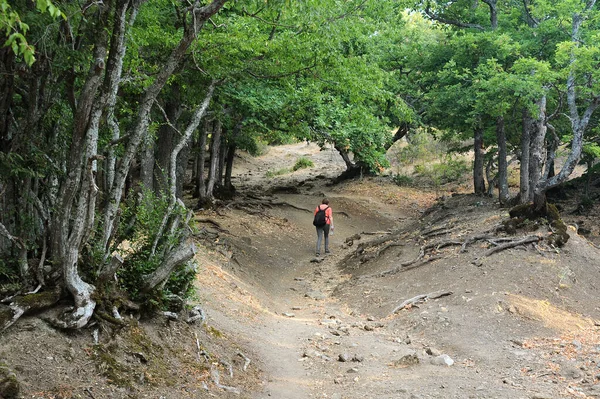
x,y
549,315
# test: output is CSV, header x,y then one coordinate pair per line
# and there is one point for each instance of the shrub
x,y
278,172
403,180
447,171
303,163
146,217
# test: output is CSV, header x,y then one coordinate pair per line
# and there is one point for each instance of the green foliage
x,y
8,272
403,180
422,147
15,30
136,248
303,163
447,171
278,172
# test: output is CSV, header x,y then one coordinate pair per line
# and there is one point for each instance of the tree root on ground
x,y
428,252
506,245
419,299
21,305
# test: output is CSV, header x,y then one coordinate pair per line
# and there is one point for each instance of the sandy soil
x,y
520,323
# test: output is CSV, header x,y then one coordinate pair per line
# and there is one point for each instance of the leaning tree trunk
x,y
140,128
579,123
172,177
478,174
73,218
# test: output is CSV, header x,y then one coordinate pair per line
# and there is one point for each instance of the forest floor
x,y
282,323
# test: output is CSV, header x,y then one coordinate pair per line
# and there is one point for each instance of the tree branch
x,y
443,20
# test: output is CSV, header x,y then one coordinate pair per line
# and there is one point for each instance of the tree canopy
x,y
104,105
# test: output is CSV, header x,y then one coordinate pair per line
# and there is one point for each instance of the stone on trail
x,y
288,314
315,295
442,360
407,360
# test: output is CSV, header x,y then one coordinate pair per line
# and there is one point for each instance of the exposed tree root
x,y
217,225
372,255
427,252
21,305
419,299
510,244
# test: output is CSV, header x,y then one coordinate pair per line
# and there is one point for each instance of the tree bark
x,y
579,123
172,177
503,193
200,184
538,150
478,147
524,193
199,16
181,254
215,151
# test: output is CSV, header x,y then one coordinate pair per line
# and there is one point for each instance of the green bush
x,y
403,180
279,172
447,171
303,163
8,273
451,170
146,217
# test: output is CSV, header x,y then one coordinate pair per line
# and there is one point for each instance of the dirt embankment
x,y
517,323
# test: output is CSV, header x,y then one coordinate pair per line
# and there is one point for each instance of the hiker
x,y
324,223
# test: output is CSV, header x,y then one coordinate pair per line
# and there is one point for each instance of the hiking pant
x,y
320,232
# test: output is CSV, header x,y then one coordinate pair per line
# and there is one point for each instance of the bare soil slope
x,y
519,323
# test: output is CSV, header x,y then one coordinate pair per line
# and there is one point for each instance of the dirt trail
x,y
323,330
521,324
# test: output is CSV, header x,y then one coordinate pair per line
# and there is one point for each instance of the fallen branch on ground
x,y
421,298
214,373
246,360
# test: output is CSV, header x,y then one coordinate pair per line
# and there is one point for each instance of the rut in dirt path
x,y
305,326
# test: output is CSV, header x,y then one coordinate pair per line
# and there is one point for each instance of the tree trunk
x,y
172,177
140,128
579,122
166,140
524,193
503,193
215,151
200,191
346,157
147,164
538,150
222,157
493,13
478,148
229,167
184,252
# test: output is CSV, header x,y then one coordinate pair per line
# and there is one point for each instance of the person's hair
x,y
325,201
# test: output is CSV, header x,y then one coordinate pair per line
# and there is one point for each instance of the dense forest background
x,y
105,107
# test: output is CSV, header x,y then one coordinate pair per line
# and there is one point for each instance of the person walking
x,y
323,221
